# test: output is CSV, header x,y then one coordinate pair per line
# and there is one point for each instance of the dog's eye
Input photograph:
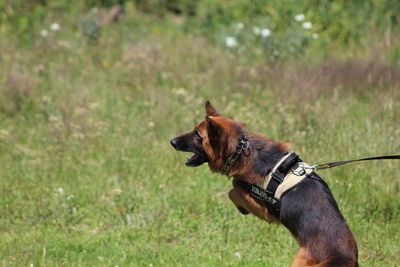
x,y
197,136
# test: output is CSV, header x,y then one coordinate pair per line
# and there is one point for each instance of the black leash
x,y
334,164
244,144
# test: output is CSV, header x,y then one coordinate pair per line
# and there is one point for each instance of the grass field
x,y
88,177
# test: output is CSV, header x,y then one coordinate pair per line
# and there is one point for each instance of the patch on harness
x,y
263,195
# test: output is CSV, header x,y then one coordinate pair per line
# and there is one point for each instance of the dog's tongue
x,y
191,160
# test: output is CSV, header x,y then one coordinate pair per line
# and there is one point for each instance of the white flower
x,y
230,41
256,30
265,32
44,33
239,26
299,17
315,36
55,27
307,25
60,191
237,255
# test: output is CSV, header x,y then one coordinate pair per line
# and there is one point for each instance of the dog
x,y
307,208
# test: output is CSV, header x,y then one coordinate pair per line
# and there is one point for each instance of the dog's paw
x,y
243,211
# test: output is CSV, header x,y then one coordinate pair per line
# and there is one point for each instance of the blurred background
x,y
92,91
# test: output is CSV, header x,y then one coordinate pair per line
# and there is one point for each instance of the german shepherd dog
x,y
309,210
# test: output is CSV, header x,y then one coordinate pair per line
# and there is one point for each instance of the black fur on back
x,y
312,215
267,155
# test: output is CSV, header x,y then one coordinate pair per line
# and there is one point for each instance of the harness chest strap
x,y
264,183
282,178
291,180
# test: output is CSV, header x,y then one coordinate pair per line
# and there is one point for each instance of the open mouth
x,y
199,157
196,160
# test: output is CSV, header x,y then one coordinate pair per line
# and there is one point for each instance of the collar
x,y
243,145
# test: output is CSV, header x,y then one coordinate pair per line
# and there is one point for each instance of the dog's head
x,y
212,140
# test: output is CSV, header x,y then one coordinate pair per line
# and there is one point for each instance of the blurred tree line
x,y
339,19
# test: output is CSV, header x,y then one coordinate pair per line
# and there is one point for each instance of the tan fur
x,y
303,258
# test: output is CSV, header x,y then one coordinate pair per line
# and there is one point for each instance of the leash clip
x,y
300,168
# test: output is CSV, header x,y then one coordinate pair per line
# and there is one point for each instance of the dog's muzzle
x,y
199,156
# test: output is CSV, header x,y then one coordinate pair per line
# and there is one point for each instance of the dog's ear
x,y
210,110
213,128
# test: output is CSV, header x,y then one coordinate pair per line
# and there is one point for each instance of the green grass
x,y
88,176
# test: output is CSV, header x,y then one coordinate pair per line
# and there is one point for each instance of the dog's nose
x,y
174,142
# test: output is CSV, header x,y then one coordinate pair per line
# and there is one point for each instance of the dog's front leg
x,y
243,201
235,198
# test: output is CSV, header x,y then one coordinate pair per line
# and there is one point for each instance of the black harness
x,y
268,195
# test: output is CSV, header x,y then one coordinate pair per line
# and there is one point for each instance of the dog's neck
x,y
263,155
